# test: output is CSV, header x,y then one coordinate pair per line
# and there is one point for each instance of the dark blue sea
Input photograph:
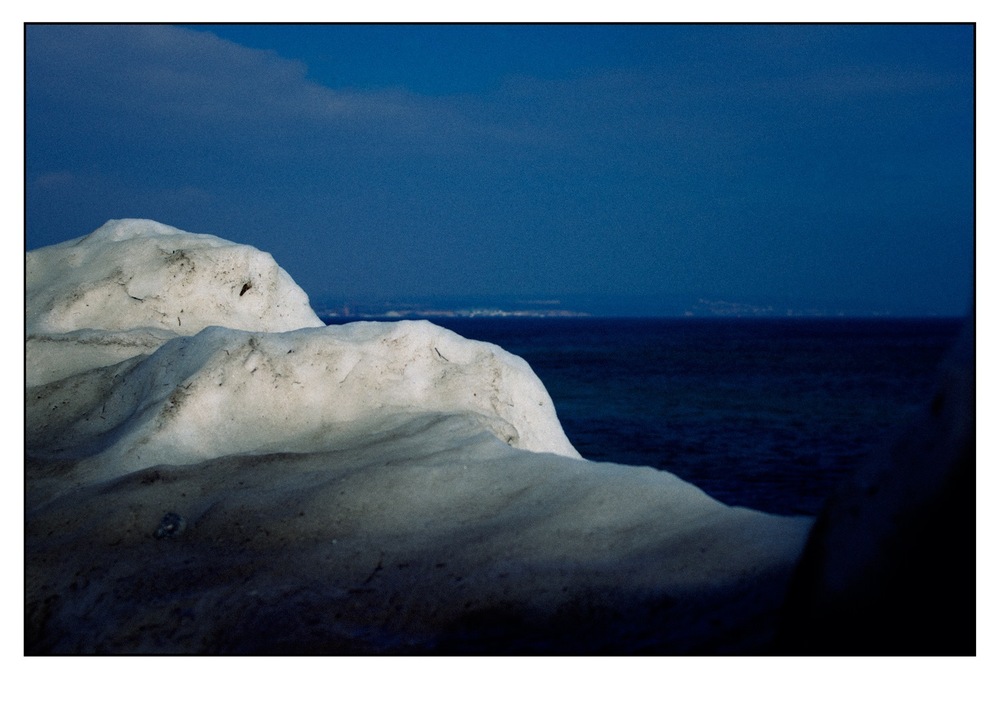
x,y
764,413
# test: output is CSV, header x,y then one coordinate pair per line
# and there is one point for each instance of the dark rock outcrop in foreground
x,y
890,566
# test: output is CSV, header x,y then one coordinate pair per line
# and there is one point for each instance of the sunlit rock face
x,y
225,391
246,480
132,284
136,273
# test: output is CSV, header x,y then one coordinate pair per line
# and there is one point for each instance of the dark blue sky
x,y
811,166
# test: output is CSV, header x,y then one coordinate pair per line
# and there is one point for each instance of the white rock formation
x,y
135,273
226,392
212,470
131,281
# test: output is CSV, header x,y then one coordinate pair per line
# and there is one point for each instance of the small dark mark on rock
x,y
245,288
171,526
374,571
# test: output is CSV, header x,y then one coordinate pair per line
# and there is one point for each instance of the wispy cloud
x,y
50,180
882,81
209,85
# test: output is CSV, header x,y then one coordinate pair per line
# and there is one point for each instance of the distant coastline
x,y
348,313
606,306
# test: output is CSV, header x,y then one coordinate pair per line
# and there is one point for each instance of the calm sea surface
x,y
765,413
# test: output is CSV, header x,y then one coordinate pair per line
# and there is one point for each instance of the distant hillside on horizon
x,y
599,306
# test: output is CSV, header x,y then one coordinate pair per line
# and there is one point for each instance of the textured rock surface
x,y
225,392
252,482
434,537
136,273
